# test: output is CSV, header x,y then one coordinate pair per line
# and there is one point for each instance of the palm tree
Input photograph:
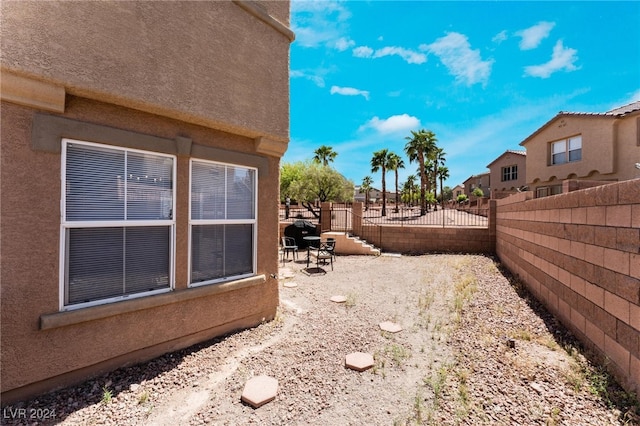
x,y
324,155
365,187
409,188
396,162
437,157
443,173
380,161
418,147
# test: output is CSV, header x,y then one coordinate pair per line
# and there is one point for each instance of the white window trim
x,y
254,222
567,151
64,225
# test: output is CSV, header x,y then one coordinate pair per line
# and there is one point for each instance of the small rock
x,y
537,387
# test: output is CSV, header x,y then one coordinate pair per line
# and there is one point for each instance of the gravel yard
x,y
473,350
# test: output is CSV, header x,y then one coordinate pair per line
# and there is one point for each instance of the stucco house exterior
x,y
457,190
140,145
375,195
584,146
482,181
508,173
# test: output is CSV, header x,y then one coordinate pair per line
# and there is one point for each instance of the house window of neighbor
x,y
222,222
545,191
566,150
117,231
509,173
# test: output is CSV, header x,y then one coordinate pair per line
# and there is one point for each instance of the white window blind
x,y
223,220
558,154
117,225
566,150
575,148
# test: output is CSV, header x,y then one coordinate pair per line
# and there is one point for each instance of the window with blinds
x,y
117,228
222,222
566,150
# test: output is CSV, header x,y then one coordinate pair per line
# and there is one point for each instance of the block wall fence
x,y
579,254
424,239
434,239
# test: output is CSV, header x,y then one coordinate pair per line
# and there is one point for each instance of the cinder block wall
x,y
422,239
579,254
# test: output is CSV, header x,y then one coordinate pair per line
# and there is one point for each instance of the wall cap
x,y
63,319
29,92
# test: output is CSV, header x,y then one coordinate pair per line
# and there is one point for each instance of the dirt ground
x,y
473,350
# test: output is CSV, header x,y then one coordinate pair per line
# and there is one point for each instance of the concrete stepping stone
x,y
338,299
359,361
286,273
391,327
259,390
290,284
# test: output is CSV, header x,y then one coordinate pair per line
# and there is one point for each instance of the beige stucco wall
x,y
482,181
211,78
35,357
628,136
609,149
206,62
495,172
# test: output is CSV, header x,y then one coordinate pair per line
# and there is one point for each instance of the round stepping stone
x,y
338,299
391,327
359,361
290,284
259,390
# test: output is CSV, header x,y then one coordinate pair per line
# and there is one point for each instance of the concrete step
x,y
350,245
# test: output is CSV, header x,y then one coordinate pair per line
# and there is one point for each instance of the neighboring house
x,y
508,173
374,195
457,190
482,181
584,146
141,144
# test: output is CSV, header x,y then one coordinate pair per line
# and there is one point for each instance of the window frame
x,y
566,152
510,171
66,225
548,190
196,222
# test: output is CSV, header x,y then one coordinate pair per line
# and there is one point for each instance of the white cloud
x,y
344,43
500,37
410,56
318,80
320,23
349,91
394,124
562,58
363,52
463,62
532,36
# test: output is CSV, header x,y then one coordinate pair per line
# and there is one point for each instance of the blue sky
x,y
481,75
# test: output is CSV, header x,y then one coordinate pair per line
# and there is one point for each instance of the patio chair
x,y
331,247
289,246
323,254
